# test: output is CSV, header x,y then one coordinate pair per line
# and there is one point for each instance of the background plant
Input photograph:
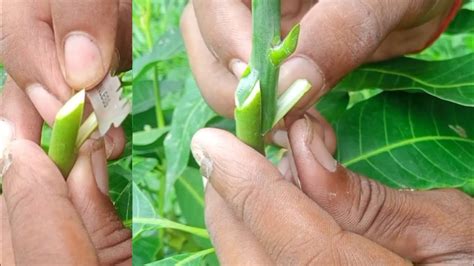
x,y
405,122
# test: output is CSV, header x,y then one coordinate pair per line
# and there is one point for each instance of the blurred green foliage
x,y
168,202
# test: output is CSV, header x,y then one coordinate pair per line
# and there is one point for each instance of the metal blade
x,y
108,104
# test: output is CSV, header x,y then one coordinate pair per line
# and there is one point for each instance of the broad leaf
x,y
448,47
145,242
462,23
120,188
142,208
333,105
189,259
190,194
143,96
191,114
168,46
451,80
148,137
409,140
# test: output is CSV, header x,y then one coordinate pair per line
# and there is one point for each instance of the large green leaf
x,y
145,242
409,140
148,136
168,46
142,208
189,259
462,23
448,47
190,194
120,188
191,114
451,80
333,105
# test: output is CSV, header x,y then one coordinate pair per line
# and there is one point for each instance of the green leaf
x,y
448,47
148,137
188,259
191,114
142,208
451,80
408,140
468,4
143,96
120,188
332,105
462,23
190,194
145,241
168,46
157,223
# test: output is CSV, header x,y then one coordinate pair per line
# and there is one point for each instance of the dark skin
x,y
46,219
337,217
50,49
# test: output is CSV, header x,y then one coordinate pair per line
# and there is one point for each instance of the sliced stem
x,y
248,120
86,130
290,97
62,149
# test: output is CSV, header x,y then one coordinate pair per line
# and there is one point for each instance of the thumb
x,y
85,33
45,227
425,227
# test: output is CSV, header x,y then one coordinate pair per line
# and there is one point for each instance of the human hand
x,y
335,38
255,216
51,48
45,219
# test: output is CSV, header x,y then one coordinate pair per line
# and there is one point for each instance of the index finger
x,y
226,27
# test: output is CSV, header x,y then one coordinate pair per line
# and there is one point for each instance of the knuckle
x,y
381,212
369,204
244,203
294,251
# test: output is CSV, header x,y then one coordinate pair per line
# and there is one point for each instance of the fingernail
x,y
203,160
46,103
7,134
301,67
83,61
237,67
317,147
280,138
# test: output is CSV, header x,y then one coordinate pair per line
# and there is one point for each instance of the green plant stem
x,y
257,108
160,118
62,149
266,35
